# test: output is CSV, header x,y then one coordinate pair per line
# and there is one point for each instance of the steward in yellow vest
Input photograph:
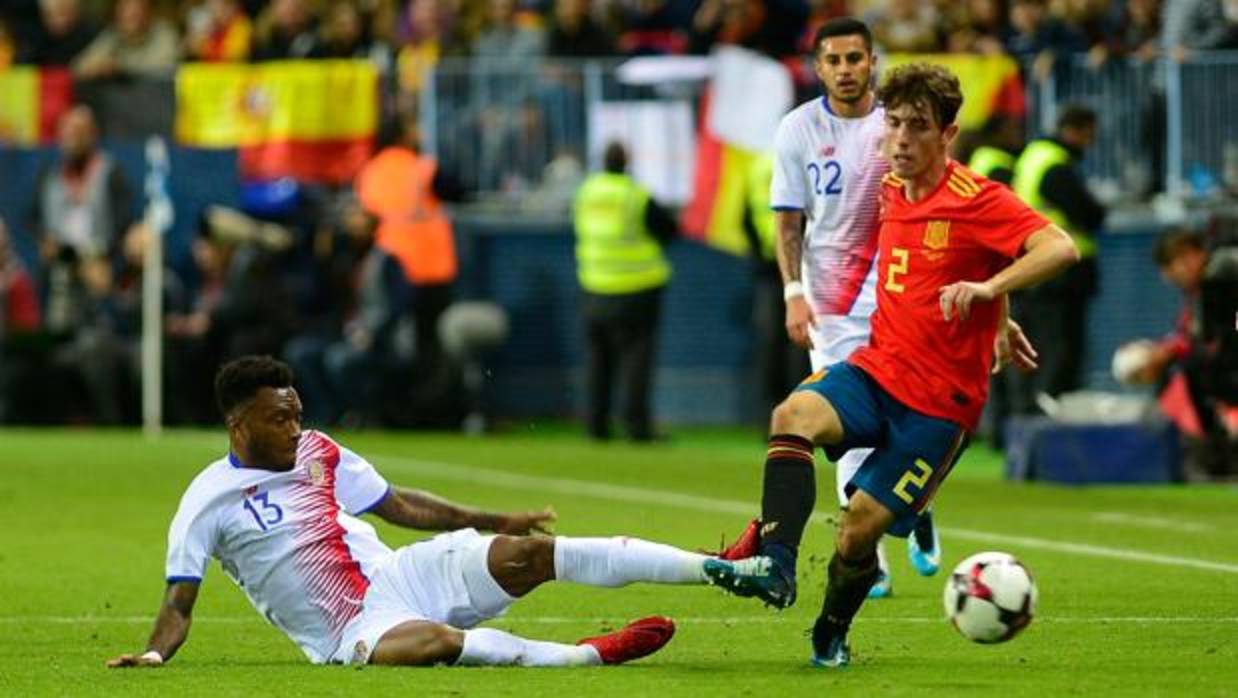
x,y
1054,314
622,269
998,145
992,162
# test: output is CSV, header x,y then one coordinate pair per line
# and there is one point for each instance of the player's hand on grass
x,y
957,298
799,319
1012,347
135,660
524,523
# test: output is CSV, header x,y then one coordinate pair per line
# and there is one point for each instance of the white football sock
x,y
614,562
490,647
846,468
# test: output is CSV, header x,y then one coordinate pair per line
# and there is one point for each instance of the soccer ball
x,y
990,597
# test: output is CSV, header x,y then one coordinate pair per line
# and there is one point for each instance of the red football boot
x,y
747,545
635,640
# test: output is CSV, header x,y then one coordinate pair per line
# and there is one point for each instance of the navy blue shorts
x,y
912,452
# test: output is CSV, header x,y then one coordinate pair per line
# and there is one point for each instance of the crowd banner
x,y
314,121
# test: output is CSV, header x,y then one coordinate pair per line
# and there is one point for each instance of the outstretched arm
x,y
428,512
1046,253
171,628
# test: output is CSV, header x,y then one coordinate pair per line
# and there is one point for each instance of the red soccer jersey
x,y
967,229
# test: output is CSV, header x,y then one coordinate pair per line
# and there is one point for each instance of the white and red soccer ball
x,y
990,597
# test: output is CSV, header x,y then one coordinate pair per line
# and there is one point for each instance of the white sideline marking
x,y
640,495
705,620
1117,517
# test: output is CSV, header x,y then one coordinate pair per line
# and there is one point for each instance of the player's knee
x,y
419,643
791,416
809,416
520,563
858,535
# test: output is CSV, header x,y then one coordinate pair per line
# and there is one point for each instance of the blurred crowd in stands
x,y
99,38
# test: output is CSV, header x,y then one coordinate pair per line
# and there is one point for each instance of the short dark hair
x,y
923,84
1076,116
1174,243
615,158
842,26
240,380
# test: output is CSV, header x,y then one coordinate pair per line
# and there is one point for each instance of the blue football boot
x,y
829,645
884,586
762,576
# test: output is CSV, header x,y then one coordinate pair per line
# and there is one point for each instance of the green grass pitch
x,y
1138,585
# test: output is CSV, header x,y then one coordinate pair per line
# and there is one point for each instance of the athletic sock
x,y
790,491
924,530
614,562
846,589
490,647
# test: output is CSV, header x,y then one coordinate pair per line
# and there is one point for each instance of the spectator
x,y
1198,25
345,35
906,26
1196,367
286,32
60,35
1037,38
83,203
574,34
428,30
1138,33
620,232
725,22
83,206
219,31
19,317
135,45
1054,314
238,308
503,42
655,27
984,30
344,365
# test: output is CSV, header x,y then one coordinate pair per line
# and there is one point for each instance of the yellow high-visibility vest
x,y
1029,172
985,159
615,252
760,172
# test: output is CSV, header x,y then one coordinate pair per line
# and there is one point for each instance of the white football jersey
x,y
286,538
830,168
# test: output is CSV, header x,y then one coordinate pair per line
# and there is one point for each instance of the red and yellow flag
x,y
715,213
31,102
311,120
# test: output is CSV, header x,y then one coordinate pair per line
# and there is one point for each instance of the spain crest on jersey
x,y
937,235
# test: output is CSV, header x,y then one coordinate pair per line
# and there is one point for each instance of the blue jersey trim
x,y
234,461
825,102
797,209
174,580
376,502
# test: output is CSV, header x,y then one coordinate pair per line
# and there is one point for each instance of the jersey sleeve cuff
x,y
779,207
184,578
376,502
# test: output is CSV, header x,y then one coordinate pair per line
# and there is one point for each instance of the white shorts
x,y
834,338
444,580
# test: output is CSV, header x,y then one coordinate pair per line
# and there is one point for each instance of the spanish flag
x,y
310,120
31,102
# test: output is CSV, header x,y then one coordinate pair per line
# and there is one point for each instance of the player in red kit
x,y
952,244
